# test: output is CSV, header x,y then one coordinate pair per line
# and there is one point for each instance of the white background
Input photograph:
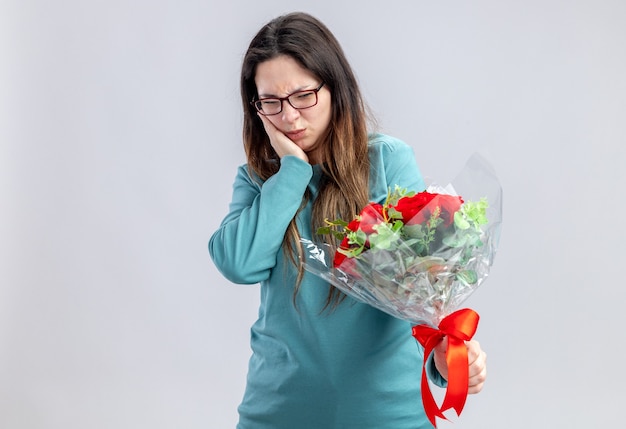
x,y
119,139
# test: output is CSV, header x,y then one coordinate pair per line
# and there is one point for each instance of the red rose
x,y
371,215
412,208
449,205
418,208
339,257
354,225
346,264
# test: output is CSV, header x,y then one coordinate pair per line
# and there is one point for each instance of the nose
x,y
289,113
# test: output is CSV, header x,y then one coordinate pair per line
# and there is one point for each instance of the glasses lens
x,y
268,106
303,99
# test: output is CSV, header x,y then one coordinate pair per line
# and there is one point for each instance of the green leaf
x,y
455,240
397,226
414,231
338,235
475,211
357,237
384,238
352,252
323,230
336,227
459,220
338,223
393,213
467,276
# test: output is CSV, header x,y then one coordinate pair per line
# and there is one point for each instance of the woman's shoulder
x,y
384,145
392,162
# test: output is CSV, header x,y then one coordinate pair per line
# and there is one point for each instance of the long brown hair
x,y
344,187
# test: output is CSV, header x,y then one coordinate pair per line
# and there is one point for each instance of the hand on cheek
x,y
280,142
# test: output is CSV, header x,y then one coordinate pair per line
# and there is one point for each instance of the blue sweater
x,y
354,367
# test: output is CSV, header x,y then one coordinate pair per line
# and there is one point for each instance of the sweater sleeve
x,y
245,245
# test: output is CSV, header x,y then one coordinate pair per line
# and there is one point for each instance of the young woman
x,y
320,359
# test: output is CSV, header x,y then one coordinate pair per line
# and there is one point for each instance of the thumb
x,y
442,346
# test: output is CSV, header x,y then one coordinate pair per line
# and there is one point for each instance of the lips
x,y
296,135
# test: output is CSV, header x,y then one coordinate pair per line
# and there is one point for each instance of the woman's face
x,y
281,77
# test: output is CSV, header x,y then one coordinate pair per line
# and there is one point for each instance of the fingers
x,y
280,142
477,361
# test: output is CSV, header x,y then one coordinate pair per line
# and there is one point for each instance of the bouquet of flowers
x,y
418,256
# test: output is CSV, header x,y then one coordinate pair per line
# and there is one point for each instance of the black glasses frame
x,y
281,99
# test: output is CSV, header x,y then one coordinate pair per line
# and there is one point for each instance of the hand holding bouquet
x,y
418,256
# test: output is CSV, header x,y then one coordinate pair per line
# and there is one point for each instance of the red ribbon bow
x,y
459,327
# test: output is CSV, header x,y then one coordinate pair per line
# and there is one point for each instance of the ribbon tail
x,y
430,406
428,338
458,375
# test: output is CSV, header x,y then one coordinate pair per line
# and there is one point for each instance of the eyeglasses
x,y
298,100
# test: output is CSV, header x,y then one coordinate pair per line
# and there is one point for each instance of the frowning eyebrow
x,y
302,88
